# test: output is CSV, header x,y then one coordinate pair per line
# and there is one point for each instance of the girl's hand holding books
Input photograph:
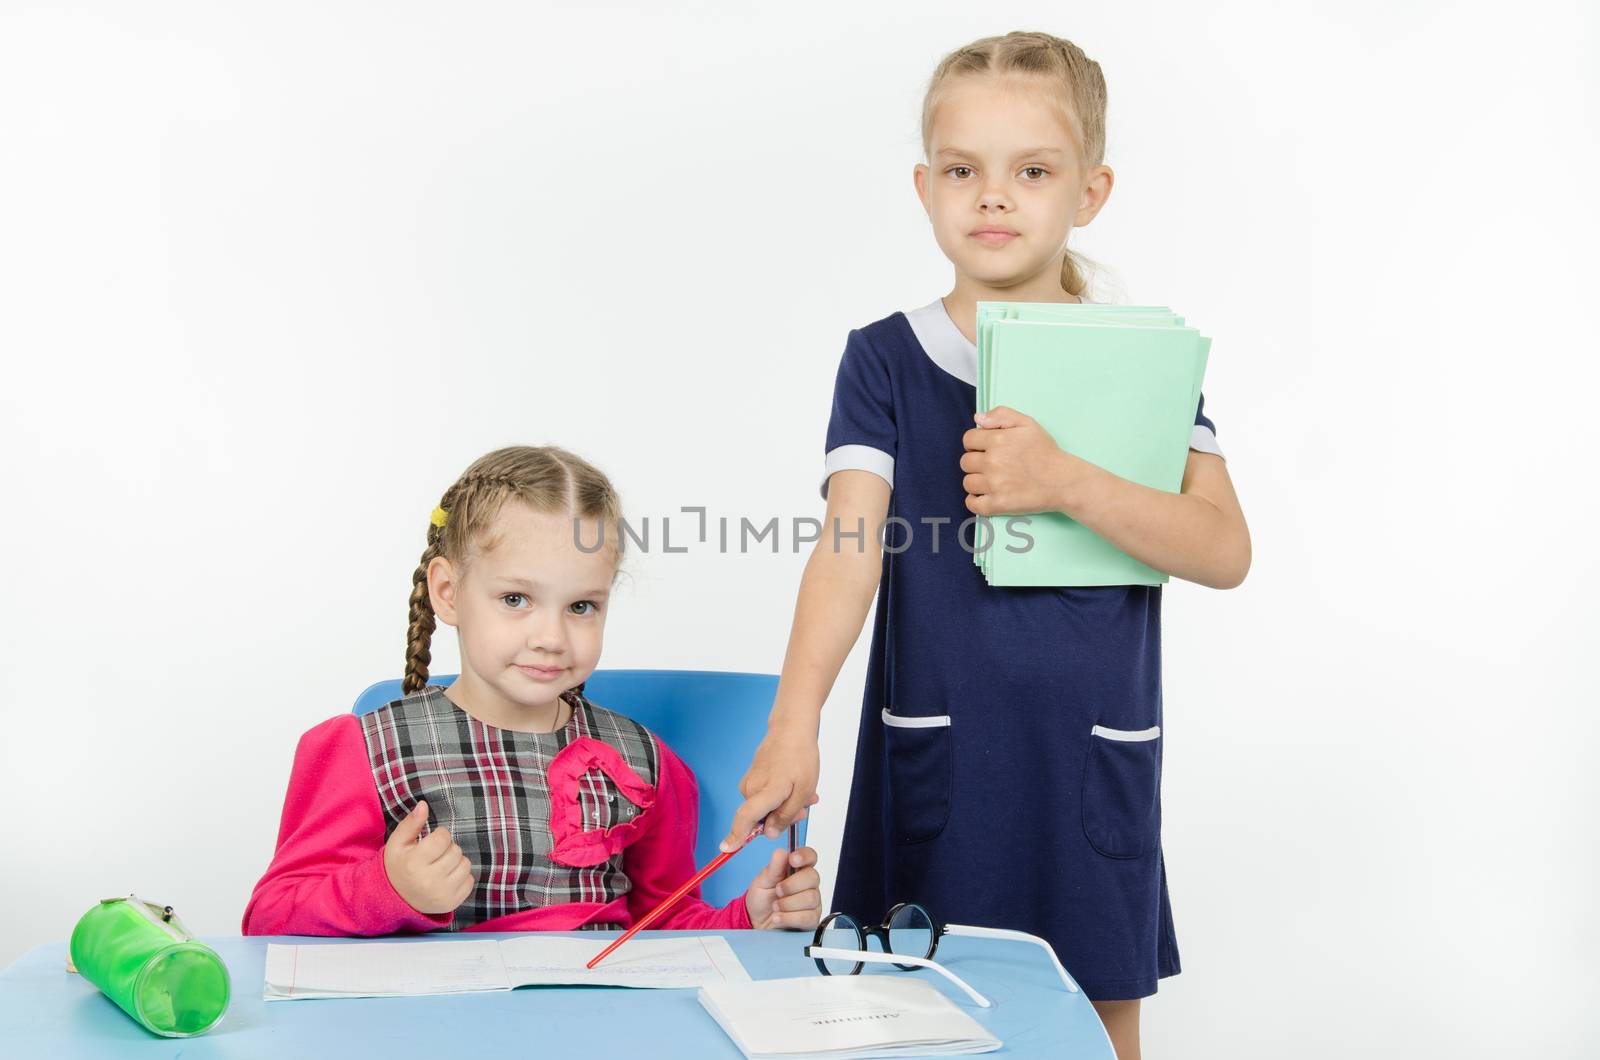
x,y
432,875
1013,467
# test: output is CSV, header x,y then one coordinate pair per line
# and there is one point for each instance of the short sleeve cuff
x,y
1202,440
860,458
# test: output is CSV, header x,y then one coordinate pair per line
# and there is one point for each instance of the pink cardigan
x,y
327,875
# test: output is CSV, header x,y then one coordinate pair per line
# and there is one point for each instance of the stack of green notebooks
x,y
1115,385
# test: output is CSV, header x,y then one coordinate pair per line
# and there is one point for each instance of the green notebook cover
x,y
988,312
1119,394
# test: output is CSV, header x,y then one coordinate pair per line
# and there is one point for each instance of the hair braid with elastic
x,y
419,634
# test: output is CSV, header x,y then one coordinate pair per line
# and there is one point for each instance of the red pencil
x,y
694,881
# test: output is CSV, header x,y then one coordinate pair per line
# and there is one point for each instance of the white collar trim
x,y
943,342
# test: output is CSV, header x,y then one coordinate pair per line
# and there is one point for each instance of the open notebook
x,y
1115,385
840,1017
298,972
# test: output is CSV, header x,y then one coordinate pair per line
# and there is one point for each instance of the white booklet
x,y
844,1016
403,969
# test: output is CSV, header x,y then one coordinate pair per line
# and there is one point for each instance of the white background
x,y
270,279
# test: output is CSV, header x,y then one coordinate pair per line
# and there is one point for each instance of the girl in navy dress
x,y
1008,763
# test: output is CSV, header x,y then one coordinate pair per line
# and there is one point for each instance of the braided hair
x,y
545,478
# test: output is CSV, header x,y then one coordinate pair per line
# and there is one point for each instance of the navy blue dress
x,y
1008,769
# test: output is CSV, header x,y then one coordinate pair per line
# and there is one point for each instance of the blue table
x,y
47,1012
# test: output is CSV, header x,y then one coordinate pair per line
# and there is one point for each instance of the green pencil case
x,y
142,957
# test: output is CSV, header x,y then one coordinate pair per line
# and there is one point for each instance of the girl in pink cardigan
x,y
508,801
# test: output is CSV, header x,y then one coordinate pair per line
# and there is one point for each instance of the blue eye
x,y
589,604
513,600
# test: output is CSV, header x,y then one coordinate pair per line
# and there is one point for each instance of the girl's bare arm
x,y
1198,535
835,592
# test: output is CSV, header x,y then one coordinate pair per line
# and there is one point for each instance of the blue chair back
x,y
711,719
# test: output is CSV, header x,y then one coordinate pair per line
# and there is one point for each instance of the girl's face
x,y
530,606
1004,186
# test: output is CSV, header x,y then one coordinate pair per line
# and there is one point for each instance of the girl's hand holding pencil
x,y
779,900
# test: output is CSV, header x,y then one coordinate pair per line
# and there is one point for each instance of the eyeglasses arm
x,y
887,958
1016,936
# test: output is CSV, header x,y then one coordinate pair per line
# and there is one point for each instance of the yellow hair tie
x,y
440,517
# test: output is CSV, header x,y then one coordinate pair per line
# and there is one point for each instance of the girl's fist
x,y
432,874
